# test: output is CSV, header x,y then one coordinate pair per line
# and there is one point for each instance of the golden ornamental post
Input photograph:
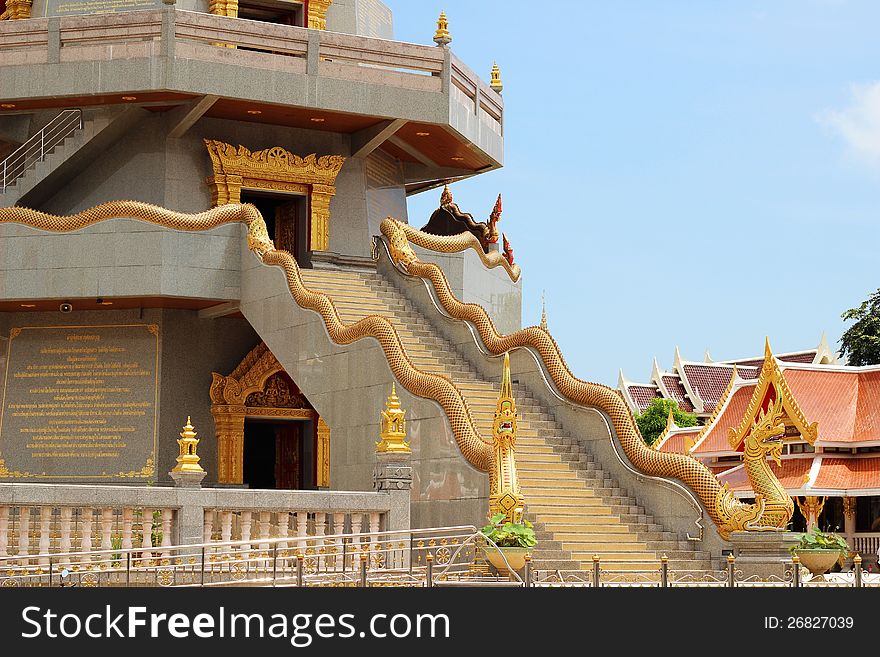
x,y
504,493
495,79
393,432
442,37
188,473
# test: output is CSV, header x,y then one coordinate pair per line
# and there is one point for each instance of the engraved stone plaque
x,y
80,404
80,7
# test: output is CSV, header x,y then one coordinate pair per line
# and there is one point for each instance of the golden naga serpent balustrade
x,y
728,513
477,450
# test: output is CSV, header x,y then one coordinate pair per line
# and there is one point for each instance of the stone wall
x,y
190,349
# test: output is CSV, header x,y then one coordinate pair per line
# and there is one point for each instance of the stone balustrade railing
x,y
58,518
176,34
866,544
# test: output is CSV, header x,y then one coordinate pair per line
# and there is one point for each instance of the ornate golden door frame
x,y
277,169
259,388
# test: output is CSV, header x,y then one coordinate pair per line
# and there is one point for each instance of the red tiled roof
x,y
848,474
642,395
804,357
868,408
845,404
679,394
798,357
749,373
710,381
716,437
791,474
675,442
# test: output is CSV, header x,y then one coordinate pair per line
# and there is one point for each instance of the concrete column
x,y
393,474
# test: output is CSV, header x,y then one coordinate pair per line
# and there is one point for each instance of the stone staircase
x,y
578,510
67,159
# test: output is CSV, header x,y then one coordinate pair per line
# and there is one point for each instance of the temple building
x,y
697,386
829,427
211,287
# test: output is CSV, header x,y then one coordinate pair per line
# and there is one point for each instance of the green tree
x,y
653,420
861,341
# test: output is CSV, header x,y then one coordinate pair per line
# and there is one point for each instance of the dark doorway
x,y
279,455
282,12
286,221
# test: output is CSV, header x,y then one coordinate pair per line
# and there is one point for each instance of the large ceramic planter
x,y
818,562
516,557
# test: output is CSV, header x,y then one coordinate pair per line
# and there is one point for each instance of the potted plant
x,y
513,539
819,551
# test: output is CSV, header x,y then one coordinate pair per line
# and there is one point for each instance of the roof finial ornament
x,y
494,218
768,353
543,313
507,252
442,37
446,196
495,81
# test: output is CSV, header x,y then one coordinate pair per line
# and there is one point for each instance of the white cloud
x,y
859,124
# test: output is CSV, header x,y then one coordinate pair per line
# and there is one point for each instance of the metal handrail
x,y
37,147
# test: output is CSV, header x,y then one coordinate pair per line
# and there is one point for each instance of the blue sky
x,y
699,174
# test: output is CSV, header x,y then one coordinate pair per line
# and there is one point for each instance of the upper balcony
x,y
425,105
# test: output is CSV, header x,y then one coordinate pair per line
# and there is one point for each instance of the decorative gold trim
x,y
317,19
280,170
16,10
323,449
229,398
14,332
398,232
224,8
772,375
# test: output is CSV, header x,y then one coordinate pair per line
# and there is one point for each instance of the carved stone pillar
x,y
229,427
318,14
320,216
323,456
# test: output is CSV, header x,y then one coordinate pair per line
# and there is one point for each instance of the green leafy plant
x,y
860,344
509,534
819,540
653,421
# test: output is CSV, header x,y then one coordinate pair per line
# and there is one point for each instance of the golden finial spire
x,y
544,313
445,196
495,81
506,394
442,36
393,426
188,460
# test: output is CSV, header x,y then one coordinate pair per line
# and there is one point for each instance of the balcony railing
x,y
173,33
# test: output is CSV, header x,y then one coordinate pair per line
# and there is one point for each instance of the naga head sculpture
x,y
504,424
767,433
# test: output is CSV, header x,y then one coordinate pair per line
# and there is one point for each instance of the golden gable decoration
x,y
277,169
258,387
